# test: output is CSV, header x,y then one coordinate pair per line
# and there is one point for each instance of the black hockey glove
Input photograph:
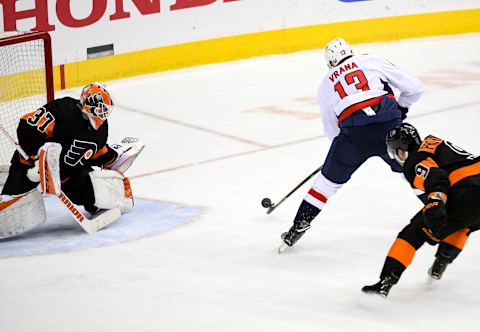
x,y
435,215
404,111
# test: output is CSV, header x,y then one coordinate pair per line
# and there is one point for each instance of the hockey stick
x,y
88,225
267,202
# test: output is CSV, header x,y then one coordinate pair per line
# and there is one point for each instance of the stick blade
x,y
270,209
104,219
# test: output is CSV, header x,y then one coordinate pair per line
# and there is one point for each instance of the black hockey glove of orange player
x,y
404,111
435,215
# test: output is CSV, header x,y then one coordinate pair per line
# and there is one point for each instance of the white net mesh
x,y
22,86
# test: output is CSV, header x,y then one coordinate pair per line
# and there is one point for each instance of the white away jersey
x,y
360,78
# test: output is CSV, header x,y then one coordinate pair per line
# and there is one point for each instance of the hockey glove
x,y
127,151
404,111
435,215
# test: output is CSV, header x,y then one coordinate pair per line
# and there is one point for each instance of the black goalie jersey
x,y
59,121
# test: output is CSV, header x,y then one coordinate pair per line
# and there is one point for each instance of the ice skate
x,y
439,266
293,235
382,287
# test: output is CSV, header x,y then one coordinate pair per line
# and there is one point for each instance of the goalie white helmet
x,y
336,51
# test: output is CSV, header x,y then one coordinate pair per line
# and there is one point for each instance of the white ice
x,y
222,137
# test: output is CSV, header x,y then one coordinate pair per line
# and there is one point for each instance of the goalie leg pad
x,y
111,190
49,168
21,213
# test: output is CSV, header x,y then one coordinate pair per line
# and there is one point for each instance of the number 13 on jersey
x,y
356,78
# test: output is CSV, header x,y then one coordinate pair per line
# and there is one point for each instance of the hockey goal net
x,y
26,82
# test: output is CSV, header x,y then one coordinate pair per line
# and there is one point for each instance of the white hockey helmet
x,y
336,51
97,104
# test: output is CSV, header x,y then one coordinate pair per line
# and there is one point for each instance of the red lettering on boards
x,y
40,12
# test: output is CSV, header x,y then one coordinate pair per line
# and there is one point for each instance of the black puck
x,y
266,202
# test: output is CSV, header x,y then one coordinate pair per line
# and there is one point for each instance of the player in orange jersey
x,y
450,176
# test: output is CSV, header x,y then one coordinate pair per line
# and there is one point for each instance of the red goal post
x,y
26,81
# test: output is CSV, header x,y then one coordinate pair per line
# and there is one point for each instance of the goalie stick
x,y
88,225
267,202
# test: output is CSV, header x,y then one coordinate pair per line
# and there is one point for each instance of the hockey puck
x,y
266,202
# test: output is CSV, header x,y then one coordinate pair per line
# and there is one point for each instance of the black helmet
x,y
403,137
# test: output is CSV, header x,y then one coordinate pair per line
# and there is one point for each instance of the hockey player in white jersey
x,y
358,108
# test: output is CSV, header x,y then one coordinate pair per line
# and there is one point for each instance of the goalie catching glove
x,y
127,151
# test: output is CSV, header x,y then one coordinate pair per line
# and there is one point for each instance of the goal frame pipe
x,y
47,42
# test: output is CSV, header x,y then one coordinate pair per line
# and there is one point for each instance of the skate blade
x,y
282,247
375,294
433,276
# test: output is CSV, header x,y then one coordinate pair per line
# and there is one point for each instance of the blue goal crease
x,y
61,234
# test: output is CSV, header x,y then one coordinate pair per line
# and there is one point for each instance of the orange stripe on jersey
x,y
48,130
28,115
464,172
430,144
457,239
100,152
402,251
43,120
421,172
317,195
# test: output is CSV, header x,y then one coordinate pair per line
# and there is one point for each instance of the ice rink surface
x,y
222,137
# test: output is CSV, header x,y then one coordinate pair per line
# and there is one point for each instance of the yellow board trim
x,y
14,80
265,43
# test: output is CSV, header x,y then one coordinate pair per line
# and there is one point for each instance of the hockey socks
x,y
306,213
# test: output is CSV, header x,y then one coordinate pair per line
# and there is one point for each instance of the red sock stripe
x,y
318,196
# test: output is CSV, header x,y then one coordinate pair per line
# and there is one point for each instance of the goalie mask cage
x,y
26,82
